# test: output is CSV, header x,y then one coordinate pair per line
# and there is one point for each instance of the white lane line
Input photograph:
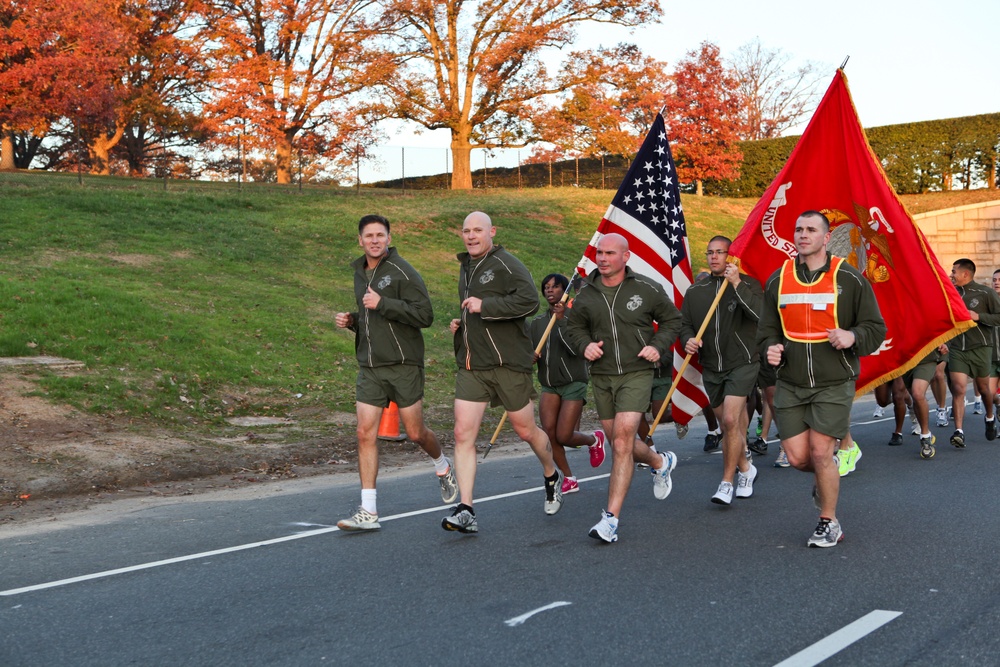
x,y
255,545
839,640
518,620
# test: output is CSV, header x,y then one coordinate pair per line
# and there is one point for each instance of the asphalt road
x,y
225,579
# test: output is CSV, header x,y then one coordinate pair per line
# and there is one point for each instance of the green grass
x,y
189,306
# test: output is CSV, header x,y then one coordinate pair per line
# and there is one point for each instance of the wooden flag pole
x,y
687,360
538,350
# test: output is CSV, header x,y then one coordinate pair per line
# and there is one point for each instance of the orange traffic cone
x,y
388,426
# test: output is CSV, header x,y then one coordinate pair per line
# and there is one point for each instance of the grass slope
x,y
188,307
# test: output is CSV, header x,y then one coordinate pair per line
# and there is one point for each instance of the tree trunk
x,y
461,160
7,150
283,159
699,190
99,150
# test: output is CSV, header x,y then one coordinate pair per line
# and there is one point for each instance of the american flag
x,y
647,211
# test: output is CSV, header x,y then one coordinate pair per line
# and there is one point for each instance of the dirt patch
x,y
55,459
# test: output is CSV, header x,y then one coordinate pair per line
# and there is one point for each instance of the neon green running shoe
x,y
849,459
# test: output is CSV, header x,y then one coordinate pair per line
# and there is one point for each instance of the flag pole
x,y
687,360
538,350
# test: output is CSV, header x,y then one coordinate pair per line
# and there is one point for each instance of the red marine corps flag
x,y
833,169
647,211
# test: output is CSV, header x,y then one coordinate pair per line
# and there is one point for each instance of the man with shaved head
x,y
612,325
495,360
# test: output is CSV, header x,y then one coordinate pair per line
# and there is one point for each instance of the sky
x,y
909,61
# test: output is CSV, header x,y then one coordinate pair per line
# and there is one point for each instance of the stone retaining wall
x,y
971,231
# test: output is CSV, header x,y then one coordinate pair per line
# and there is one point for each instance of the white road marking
x,y
255,545
518,620
839,640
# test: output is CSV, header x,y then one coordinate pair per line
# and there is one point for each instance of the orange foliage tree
x,y
284,70
58,60
476,70
611,110
703,118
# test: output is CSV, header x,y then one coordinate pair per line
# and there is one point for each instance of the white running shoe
x,y
724,496
942,419
879,411
744,482
606,529
662,484
361,520
553,495
977,407
449,485
827,534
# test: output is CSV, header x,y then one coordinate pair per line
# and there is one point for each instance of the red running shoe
x,y
597,449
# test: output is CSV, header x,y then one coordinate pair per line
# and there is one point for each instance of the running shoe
x,y
896,439
662,484
744,482
927,447
724,496
991,429
958,439
879,411
597,449
449,485
782,460
553,495
360,520
462,519
977,407
711,441
682,430
758,446
747,453
942,419
827,533
570,485
915,430
606,529
848,459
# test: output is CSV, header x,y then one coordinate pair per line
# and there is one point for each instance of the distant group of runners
x,y
793,346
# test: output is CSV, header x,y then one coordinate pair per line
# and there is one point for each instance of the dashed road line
x,y
839,640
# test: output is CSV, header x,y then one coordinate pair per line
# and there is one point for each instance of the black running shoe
x,y
712,441
991,429
758,446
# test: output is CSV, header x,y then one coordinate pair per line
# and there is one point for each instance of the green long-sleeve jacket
x,y
984,301
390,334
624,321
496,336
730,339
559,364
819,364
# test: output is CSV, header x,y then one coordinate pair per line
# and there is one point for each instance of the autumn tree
x,y
288,69
610,111
57,60
703,118
164,75
476,70
773,95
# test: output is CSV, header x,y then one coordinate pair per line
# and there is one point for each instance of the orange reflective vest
x,y
807,310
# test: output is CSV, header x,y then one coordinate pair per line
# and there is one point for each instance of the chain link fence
x,y
386,168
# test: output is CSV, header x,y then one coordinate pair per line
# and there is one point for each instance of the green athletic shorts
x,y
622,393
574,391
402,384
976,363
920,372
736,382
496,386
766,376
661,385
826,410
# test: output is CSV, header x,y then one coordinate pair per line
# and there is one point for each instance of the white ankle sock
x,y
368,497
